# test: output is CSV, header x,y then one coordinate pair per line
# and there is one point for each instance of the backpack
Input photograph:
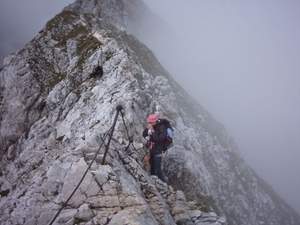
x,y
169,138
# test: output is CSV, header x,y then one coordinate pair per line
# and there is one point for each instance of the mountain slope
x,y
58,100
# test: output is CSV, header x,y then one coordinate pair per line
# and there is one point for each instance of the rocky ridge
x,y
58,98
52,126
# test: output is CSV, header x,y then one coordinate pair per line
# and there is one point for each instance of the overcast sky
x,y
240,60
21,20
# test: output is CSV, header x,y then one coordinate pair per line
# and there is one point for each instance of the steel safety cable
x,y
64,205
130,138
122,114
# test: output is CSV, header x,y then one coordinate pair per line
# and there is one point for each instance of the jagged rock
x,y
102,175
195,214
185,221
68,215
103,201
180,196
131,217
58,102
84,213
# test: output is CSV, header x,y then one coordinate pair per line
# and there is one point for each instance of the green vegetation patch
x,y
87,45
66,17
58,77
63,28
68,29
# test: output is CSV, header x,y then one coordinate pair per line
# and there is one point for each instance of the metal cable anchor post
x,y
118,108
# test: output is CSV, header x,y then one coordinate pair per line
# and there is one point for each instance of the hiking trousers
x,y
155,166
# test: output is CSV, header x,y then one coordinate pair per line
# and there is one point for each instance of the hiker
x,y
156,134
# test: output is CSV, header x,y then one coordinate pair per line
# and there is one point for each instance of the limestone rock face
x,y
59,98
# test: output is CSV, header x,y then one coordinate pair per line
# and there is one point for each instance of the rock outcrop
x,y
58,101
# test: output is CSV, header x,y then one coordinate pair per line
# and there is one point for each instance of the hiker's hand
x,y
150,127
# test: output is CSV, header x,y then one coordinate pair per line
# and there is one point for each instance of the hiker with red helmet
x,y
156,134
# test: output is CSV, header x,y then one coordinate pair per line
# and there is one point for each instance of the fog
x,y
239,59
20,21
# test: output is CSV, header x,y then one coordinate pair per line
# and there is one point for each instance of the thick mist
x,y
20,21
239,59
